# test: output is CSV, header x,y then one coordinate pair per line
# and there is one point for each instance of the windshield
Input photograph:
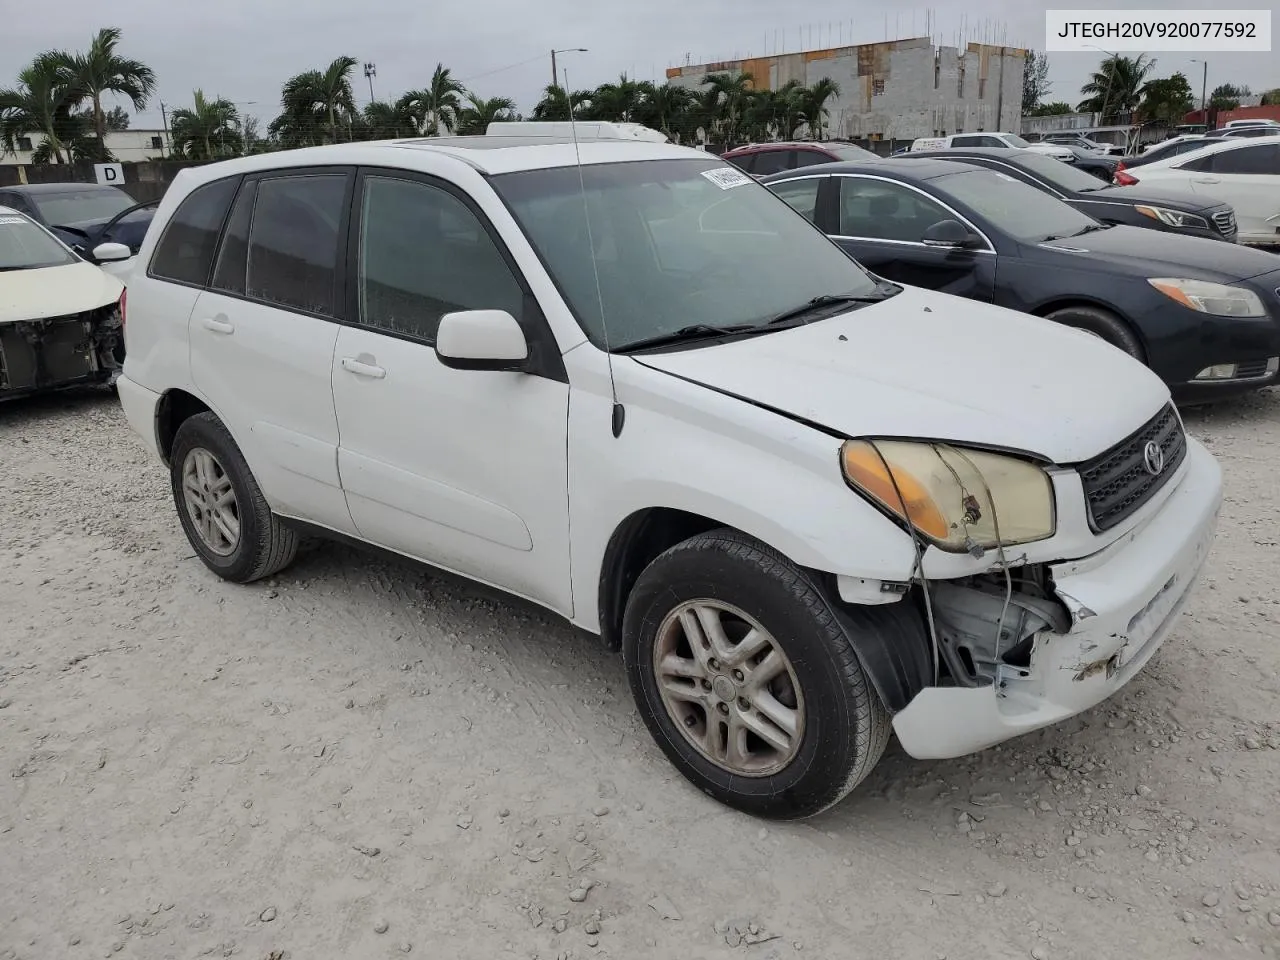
x,y
26,246
851,151
1014,140
77,206
1057,174
675,243
1016,208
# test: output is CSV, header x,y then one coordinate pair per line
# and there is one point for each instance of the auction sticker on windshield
x,y
11,220
726,178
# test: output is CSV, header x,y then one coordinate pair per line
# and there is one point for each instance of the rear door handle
x,y
362,369
1207,180
218,325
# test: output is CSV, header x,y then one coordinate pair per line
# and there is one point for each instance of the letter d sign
x,y
112,173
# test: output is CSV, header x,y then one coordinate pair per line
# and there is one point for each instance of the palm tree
x,y
554,104
813,104
389,121
438,104
666,108
319,95
210,130
41,105
1116,86
478,113
616,101
102,70
727,96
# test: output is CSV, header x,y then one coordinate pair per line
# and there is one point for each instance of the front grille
x,y
1118,482
1225,221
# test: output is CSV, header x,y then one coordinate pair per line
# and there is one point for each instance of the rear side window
x,y
773,161
185,252
745,162
293,241
228,275
1261,159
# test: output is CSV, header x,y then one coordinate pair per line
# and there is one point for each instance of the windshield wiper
x,y
696,331
1088,228
883,292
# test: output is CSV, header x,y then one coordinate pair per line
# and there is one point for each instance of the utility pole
x,y
164,119
370,71
1204,89
555,76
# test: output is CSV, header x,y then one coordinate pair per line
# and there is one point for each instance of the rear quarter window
x,y
185,251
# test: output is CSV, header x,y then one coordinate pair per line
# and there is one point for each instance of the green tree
x,y
1116,86
208,130
1166,99
554,104
1226,96
102,70
616,101
436,105
667,108
315,101
41,105
117,119
1035,81
479,113
1271,98
724,103
813,104
388,121
1055,108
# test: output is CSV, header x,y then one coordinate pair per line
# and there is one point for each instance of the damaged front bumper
x,y
1121,603
56,352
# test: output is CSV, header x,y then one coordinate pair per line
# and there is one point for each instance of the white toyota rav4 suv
x,y
626,382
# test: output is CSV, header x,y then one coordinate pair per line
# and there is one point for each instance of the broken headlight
x,y
960,499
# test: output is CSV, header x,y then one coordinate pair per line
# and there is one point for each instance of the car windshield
x,y
1014,140
1016,208
78,206
664,245
850,151
1059,175
26,246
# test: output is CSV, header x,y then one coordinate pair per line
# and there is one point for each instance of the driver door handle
x,y
362,369
1207,180
218,325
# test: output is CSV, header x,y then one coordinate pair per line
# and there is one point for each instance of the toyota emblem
x,y
1153,458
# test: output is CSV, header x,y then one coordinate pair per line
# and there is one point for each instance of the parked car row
x,y
84,216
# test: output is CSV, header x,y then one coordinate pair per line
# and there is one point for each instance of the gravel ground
x,y
356,759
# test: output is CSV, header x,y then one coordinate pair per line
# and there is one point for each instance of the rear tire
x,y
221,507
785,748
1102,324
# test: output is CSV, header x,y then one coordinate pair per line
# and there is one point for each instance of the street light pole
x,y
555,76
1204,88
370,71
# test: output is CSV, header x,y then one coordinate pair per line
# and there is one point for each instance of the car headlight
x,y
1174,218
1217,299
947,493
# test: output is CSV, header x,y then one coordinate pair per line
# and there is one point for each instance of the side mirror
x,y
481,340
950,233
111,252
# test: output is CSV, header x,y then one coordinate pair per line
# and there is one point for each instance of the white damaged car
x,y
811,508
61,320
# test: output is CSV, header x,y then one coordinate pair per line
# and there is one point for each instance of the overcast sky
x,y
245,49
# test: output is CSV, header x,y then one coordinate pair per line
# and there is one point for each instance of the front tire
x,y
221,507
1104,325
746,679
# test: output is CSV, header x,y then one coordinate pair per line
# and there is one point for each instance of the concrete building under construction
x,y
897,90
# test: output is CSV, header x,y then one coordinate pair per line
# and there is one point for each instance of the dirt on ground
x,y
357,759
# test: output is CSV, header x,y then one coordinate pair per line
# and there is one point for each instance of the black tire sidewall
x,y
834,729
206,431
1106,325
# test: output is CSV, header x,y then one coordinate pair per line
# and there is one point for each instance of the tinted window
x,y
745,162
968,141
81,204
293,242
801,195
772,161
1016,208
185,252
886,211
672,243
1260,159
423,254
230,271
1062,176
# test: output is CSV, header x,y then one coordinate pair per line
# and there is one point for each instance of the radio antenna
x,y
619,413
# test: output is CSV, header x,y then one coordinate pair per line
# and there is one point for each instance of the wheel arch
x,y
1083,300
174,408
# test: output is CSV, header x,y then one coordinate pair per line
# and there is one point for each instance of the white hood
x,y
934,366
55,291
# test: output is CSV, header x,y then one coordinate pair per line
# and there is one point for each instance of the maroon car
x,y
762,159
